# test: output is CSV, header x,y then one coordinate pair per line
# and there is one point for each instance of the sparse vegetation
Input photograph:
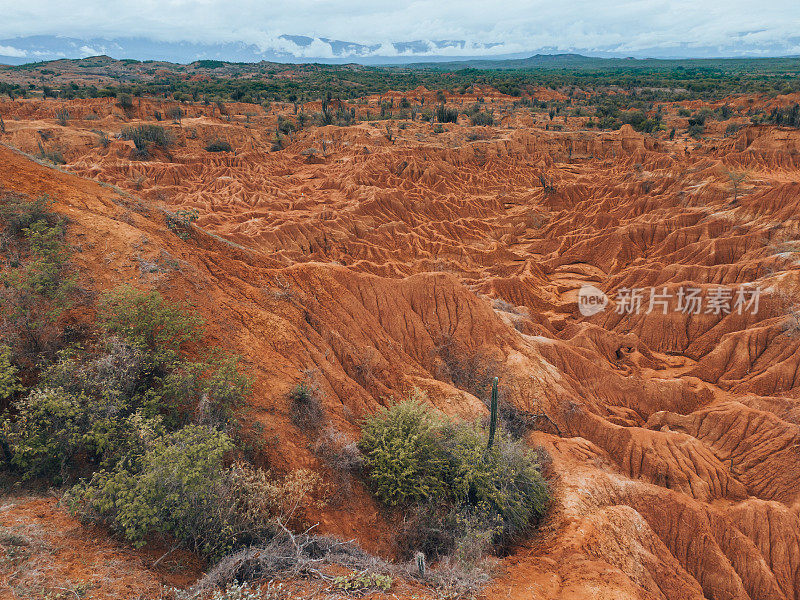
x,y
62,117
180,222
305,406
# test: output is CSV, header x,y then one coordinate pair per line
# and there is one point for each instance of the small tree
x,y
125,102
175,113
736,178
62,116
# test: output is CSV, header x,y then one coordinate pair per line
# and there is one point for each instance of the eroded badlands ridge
x,y
383,264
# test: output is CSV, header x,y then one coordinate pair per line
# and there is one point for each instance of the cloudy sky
x,y
488,28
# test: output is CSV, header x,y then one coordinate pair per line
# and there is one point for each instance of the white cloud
x,y
11,51
734,26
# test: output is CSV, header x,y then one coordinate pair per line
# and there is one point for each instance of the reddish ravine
x,y
675,438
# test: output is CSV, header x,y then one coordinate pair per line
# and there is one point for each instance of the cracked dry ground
x,y
675,438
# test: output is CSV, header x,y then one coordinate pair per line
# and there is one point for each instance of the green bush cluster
x,y
150,429
446,115
147,431
406,461
218,146
85,408
481,118
143,136
34,285
9,378
462,496
361,581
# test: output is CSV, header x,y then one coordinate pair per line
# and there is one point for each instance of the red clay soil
x,y
384,264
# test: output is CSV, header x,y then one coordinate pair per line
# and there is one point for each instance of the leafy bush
x,y
125,102
482,118
446,115
218,146
504,480
170,489
696,130
144,135
464,496
403,455
19,213
358,582
9,381
87,405
178,486
788,115
52,426
181,220
147,321
212,388
35,289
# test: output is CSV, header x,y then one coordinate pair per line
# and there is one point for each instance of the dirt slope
x,y
430,260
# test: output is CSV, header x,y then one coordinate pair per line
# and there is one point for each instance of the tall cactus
x,y
493,420
419,557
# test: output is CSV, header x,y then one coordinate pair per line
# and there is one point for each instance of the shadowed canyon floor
x,y
383,259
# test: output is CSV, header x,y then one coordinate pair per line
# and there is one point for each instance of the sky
x,y
665,28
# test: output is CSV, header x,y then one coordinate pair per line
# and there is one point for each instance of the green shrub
x,y
9,381
19,213
696,130
482,118
463,496
144,135
125,102
170,489
361,581
504,480
181,220
149,322
446,115
403,455
212,388
178,486
52,426
218,146
88,405
35,290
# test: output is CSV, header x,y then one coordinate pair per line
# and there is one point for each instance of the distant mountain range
x,y
293,49
304,49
